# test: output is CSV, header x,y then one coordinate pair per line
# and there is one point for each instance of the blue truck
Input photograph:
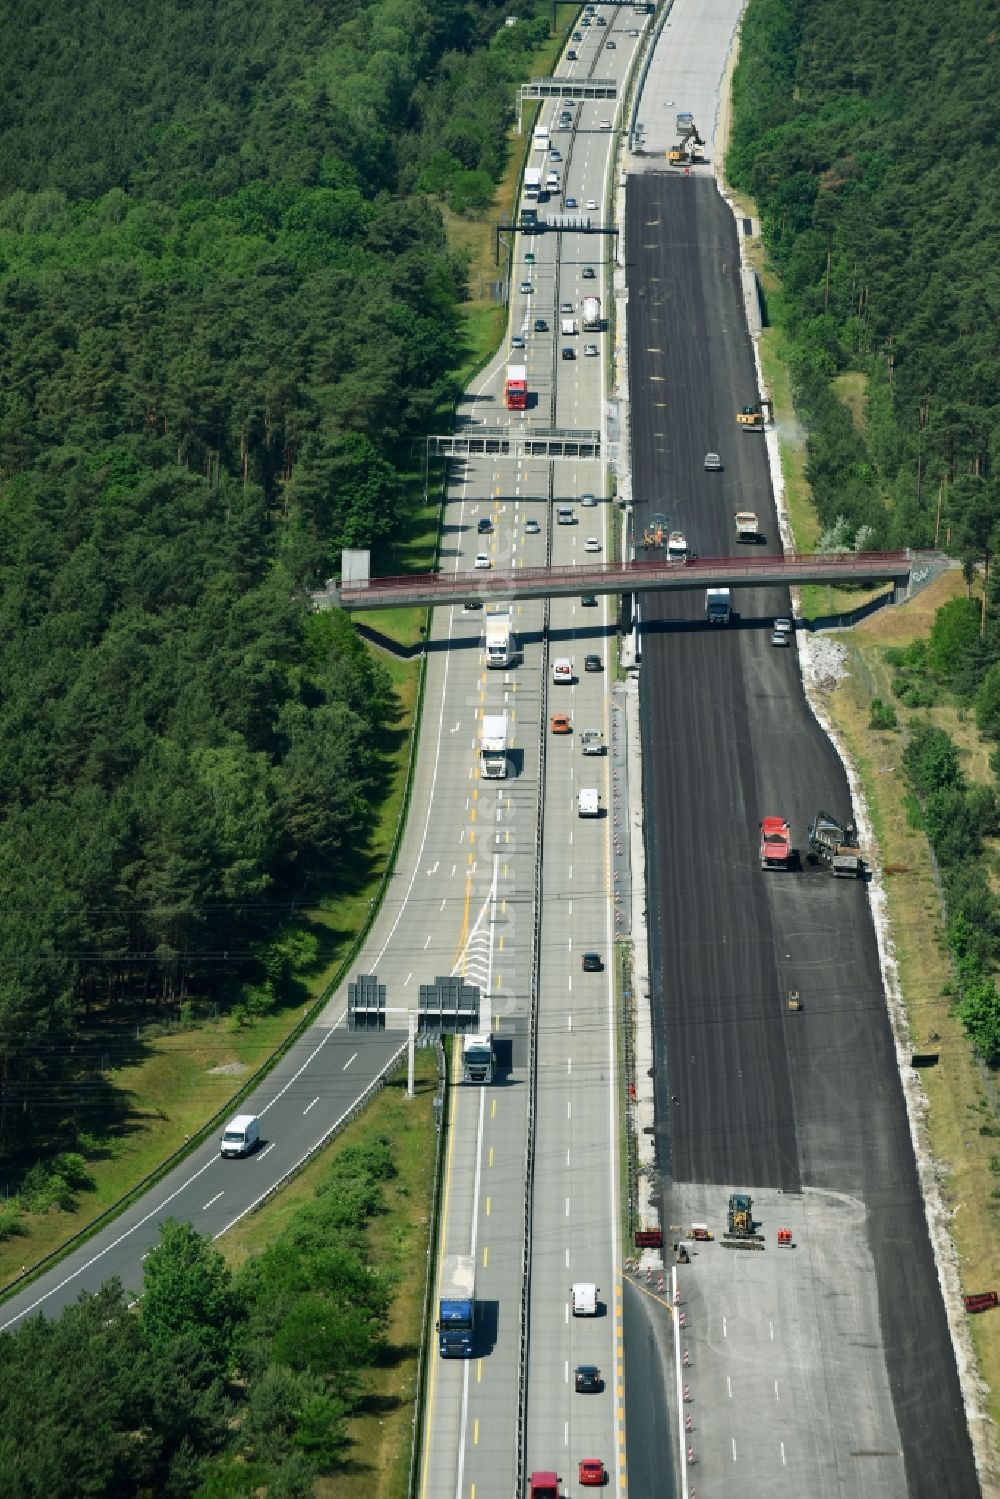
x,y
456,1324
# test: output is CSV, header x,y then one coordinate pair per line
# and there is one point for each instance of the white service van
x,y
241,1135
588,802
584,1301
562,671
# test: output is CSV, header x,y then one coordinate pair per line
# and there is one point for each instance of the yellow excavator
x,y
688,150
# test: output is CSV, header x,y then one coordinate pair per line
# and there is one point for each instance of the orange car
x,y
560,724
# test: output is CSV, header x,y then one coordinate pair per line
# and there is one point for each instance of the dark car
x,y
471,604
568,352
592,962
541,326
485,526
592,663
588,1379
589,601
571,57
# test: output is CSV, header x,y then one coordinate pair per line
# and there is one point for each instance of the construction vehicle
x,y
836,845
740,1233
688,149
751,418
747,526
515,390
775,843
685,121
677,547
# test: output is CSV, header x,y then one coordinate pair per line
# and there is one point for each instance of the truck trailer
x,y
592,315
532,184
456,1324
718,606
515,390
747,526
493,747
501,646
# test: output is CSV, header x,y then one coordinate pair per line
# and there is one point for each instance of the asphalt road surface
x,y
749,1094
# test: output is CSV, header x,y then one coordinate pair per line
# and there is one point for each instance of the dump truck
x,y
685,122
836,845
493,747
592,742
456,1324
592,315
501,645
747,526
515,389
477,1058
775,843
677,547
718,606
750,418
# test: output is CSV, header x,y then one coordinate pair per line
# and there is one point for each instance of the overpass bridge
x,y
357,591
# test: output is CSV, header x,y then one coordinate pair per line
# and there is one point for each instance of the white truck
x,y
591,314
477,1058
501,645
677,547
588,802
562,672
568,326
540,138
493,747
718,606
532,184
747,526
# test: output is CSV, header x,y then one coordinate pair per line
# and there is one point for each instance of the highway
x,y
472,1435
825,1369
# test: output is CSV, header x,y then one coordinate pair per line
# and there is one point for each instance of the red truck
x,y
515,390
775,843
543,1486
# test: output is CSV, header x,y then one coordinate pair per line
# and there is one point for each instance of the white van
x,y
552,182
241,1135
588,802
584,1302
562,671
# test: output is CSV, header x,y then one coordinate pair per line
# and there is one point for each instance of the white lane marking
x,y
566,1371
267,1148
729,1387
350,1059
724,1333
428,942
734,1448
213,1199
407,978
782,1446
770,1328
567,1155
565,1433
776,1395
310,1106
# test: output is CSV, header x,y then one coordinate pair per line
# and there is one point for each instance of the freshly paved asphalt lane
x,y
748,1093
313,1086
